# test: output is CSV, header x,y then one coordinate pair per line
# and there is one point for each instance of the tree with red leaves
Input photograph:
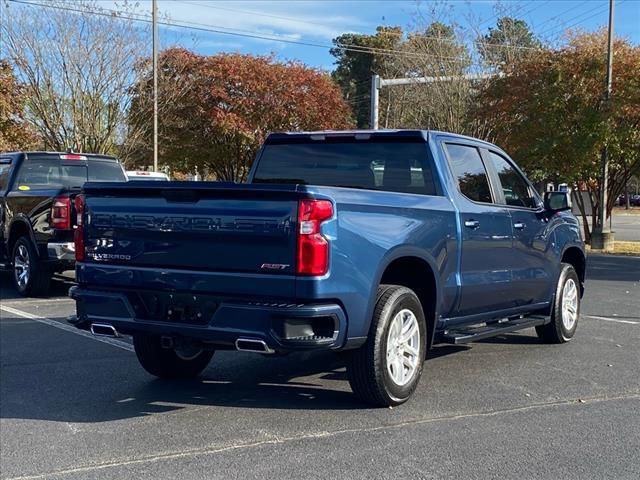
x,y
227,105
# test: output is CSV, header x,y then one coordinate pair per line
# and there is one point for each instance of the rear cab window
x,y
39,172
385,164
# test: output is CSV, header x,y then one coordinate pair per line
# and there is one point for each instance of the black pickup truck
x,y
37,214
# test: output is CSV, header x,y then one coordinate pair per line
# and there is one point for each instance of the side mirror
x,y
557,201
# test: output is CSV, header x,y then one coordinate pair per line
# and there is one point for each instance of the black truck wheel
x,y
31,277
566,308
169,362
385,371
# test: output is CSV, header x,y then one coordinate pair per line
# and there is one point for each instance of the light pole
x,y
155,84
602,238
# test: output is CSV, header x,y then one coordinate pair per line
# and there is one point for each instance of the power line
x,y
277,38
555,17
495,16
259,14
239,33
273,37
594,15
536,6
248,12
554,30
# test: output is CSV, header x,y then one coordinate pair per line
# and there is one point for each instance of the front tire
x,y
386,370
566,308
169,363
31,277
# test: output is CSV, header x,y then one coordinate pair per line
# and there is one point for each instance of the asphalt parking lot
x,y
72,407
625,225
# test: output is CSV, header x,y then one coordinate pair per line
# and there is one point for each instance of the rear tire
x,y
386,370
31,277
167,362
566,308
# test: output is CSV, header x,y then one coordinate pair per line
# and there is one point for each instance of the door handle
x,y
471,223
519,225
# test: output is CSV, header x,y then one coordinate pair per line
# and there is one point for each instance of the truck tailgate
x,y
210,227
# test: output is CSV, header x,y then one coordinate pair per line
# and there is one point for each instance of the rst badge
x,y
274,266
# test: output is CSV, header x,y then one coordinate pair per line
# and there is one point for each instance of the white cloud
x,y
291,20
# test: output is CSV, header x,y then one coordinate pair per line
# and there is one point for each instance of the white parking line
x,y
46,301
68,328
616,320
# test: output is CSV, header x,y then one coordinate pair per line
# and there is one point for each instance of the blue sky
x,y
312,21
318,21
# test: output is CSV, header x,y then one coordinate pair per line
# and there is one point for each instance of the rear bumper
x,y
218,322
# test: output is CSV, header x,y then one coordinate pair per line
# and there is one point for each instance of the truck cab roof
x,y
29,153
366,134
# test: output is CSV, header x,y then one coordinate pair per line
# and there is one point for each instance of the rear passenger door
x,y
533,261
487,256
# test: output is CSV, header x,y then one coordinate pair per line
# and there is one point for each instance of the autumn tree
x,y
358,57
228,105
15,133
77,68
549,112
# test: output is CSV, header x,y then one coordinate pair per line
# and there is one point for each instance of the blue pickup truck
x,y
381,243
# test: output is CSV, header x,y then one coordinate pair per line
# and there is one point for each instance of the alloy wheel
x,y
403,347
21,267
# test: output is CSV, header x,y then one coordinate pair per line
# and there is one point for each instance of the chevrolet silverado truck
x,y
380,243
36,212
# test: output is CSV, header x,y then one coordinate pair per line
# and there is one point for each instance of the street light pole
x,y
602,238
155,84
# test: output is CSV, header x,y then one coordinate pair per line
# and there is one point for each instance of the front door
x,y
532,237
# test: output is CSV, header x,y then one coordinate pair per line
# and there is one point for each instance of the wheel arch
x,y
411,268
575,257
20,227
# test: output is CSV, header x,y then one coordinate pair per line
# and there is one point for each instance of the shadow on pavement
x,y
513,339
59,286
72,381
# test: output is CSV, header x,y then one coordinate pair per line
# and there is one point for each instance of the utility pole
x,y
602,238
155,84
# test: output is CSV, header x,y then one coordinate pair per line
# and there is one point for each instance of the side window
x,y
5,168
516,190
466,164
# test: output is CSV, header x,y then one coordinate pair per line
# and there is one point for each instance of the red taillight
x,y
313,248
78,236
61,213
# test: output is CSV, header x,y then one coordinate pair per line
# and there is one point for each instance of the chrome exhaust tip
x,y
104,330
253,345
